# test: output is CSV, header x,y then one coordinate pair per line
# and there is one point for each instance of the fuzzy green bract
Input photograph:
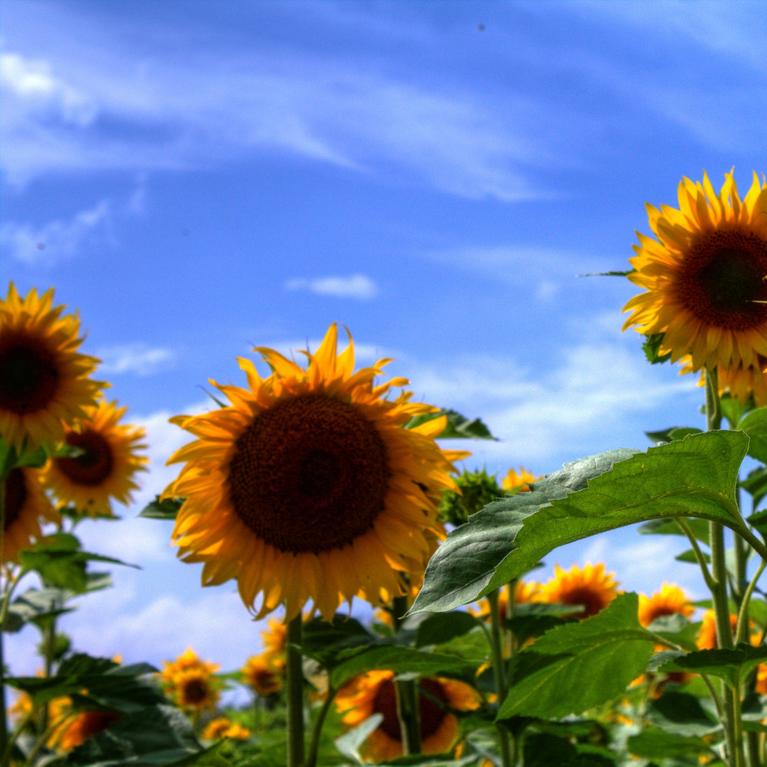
x,y
692,477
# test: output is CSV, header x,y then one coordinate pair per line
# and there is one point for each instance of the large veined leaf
x,y
730,665
399,660
574,667
754,424
694,477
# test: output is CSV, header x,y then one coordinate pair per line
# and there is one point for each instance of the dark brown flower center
x,y
195,691
29,374
431,707
722,279
591,601
309,474
16,495
93,465
94,722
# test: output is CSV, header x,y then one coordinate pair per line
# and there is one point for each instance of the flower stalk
x,y
406,694
499,675
295,690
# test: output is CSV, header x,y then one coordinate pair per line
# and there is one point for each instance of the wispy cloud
x,y
58,239
341,109
358,286
136,358
543,417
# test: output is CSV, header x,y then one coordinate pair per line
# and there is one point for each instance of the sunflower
x,y
44,380
261,676
26,510
225,728
195,689
105,468
187,661
374,693
670,600
518,481
706,639
275,640
704,275
525,592
590,587
76,730
307,486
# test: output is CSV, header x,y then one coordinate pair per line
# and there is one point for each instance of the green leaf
x,y
574,667
682,713
695,477
36,605
325,642
689,556
398,659
442,627
651,348
166,508
654,743
758,520
755,484
699,527
61,562
458,426
754,424
730,665
107,685
533,619
672,434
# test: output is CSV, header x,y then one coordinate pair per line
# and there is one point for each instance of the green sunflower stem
x,y
499,675
406,693
295,689
733,725
6,598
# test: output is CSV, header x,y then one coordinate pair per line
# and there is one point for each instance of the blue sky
x,y
197,178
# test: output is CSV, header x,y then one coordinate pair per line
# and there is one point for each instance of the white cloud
x,y
136,358
221,105
58,239
30,82
358,286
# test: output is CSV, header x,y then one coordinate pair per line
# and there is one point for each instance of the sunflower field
x,y
402,619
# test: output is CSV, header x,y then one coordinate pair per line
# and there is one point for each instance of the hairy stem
x,y
295,689
499,675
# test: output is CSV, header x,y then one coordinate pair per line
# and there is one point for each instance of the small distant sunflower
x,y
26,510
590,587
518,481
374,693
525,592
670,600
195,690
44,379
261,676
706,639
307,486
107,465
187,661
704,275
225,728
76,730
275,640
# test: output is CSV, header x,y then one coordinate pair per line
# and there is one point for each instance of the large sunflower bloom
x,y
26,510
670,600
307,486
107,465
704,275
44,379
589,587
374,693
